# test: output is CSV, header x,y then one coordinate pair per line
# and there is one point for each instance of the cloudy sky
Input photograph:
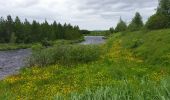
x,y
88,14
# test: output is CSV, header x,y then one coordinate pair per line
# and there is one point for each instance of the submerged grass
x,y
123,72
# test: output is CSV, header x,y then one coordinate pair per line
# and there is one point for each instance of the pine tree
x,y
2,30
136,23
35,32
121,26
9,28
13,38
27,31
18,29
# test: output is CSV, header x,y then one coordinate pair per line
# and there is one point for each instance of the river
x,y
93,40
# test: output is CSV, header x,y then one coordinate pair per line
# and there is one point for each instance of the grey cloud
x,y
88,14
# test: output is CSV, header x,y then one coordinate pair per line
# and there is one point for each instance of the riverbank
x,y
14,58
11,46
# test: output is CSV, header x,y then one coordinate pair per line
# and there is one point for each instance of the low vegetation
x,y
124,71
12,46
65,55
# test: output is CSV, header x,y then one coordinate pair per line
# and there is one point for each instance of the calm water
x,y
93,40
11,61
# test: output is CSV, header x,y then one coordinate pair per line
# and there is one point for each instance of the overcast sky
x,y
88,14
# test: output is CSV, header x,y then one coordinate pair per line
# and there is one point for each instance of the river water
x,y
93,40
13,60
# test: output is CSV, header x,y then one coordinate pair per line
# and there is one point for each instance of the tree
x,y
18,29
112,30
164,7
121,26
157,21
136,23
9,28
162,17
2,30
27,31
13,38
35,32
84,32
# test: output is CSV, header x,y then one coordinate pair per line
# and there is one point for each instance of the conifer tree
x,y
121,26
136,23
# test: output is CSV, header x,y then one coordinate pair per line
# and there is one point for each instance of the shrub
x,y
37,46
65,55
157,21
136,43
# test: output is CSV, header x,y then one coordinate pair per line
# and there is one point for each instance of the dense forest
x,y
16,31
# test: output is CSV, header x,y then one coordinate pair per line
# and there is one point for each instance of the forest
x,y
16,31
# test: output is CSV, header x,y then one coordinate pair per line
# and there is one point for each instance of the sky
x,y
87,14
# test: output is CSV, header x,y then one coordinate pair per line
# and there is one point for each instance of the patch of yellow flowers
x,y
116,53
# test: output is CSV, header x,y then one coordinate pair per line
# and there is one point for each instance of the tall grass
x,y
65,55
146,90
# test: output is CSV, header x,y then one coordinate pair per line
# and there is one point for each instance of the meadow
x,y
129,66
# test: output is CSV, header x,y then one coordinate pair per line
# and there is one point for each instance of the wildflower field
x,y
130,66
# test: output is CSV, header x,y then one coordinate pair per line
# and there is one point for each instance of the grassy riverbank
x,y
130,66
4,47
14,46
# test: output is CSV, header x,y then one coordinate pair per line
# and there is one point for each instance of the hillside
x,y
132,65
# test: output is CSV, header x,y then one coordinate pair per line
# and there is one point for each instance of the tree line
x,y
159,20
16,31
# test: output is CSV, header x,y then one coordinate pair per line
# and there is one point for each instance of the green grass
x,y
97,33
152,46
65,55
14,46
124,71
4,47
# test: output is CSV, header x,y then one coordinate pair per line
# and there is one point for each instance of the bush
x,y
136,43
65,55
37,47
157,21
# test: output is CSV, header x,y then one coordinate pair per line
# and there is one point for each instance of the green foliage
x,y
164,7
136,23
37,47
112,30
161,19
121,26
26,32
13,38
84,32
97,33
12,46
157,21
65,54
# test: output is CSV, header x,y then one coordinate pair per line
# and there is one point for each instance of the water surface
x,y
93,40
